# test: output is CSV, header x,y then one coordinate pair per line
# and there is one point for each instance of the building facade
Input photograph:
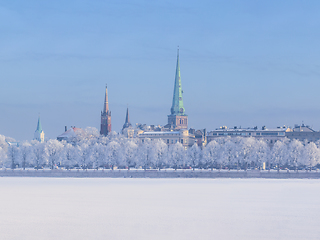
x,y
169,137
105,127
303,133
271,135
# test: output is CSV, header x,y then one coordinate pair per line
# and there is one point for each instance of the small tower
x,y
39,134
127,129
105,127
178,119
127,122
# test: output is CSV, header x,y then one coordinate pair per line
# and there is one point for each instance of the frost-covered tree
x,y
26,154
112,153
311,155
70,156
193,156
40,155
129,153
247,146
54,149
211,154
176,156
279,153
12,156
160,150
260,153
3,156
295,153
228,154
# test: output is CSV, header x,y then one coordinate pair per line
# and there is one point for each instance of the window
x,y
181,141
176,141
143,140
258,134
270,134
168,141
171,140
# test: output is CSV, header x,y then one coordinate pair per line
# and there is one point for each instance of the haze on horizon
x,y
242,63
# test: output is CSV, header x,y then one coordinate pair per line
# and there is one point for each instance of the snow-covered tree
x,y
295,153
311,155
54,150
279,153
112,154
70,156
193,156
176,156
40,155
26,154
160,150
211,154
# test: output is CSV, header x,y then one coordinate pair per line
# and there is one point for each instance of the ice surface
x,y
55,208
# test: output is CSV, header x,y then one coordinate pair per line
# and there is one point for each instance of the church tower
x,y
178,119
127,123
127,129
105,127
39,134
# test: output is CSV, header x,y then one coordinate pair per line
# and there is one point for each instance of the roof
x,y
70,133
159,133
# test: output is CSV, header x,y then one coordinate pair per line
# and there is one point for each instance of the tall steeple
x,y
106,103
105,126
178,119
127,122
177,102
39,134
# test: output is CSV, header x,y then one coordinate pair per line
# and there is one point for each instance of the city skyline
x,y
242,64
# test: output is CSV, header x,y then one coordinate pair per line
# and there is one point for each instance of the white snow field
x,y
104,208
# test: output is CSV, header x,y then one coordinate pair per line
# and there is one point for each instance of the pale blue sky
x,y
243,63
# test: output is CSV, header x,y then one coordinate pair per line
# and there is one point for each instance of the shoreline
x,y
163,173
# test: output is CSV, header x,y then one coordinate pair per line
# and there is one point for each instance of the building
x,y
39,133
105,127
127,129
69,134
271,135
169,137
303,133
177,119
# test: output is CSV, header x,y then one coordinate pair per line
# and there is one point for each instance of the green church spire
x,y
177,102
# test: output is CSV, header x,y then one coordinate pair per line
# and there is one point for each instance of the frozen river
x,y
58,208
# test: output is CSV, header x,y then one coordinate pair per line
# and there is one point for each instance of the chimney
x,y
65,128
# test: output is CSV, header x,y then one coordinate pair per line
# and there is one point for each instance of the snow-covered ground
x,y
104,208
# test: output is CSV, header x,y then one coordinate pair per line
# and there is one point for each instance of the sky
x,y
243,63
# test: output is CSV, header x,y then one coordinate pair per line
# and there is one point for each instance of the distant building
x,y
127,129
105,127
303,133
271,135
169,137
69,134
39,134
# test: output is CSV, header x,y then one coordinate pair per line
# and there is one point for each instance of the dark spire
x,y
127,122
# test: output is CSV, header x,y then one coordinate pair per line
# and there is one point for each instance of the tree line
x,y
92,151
